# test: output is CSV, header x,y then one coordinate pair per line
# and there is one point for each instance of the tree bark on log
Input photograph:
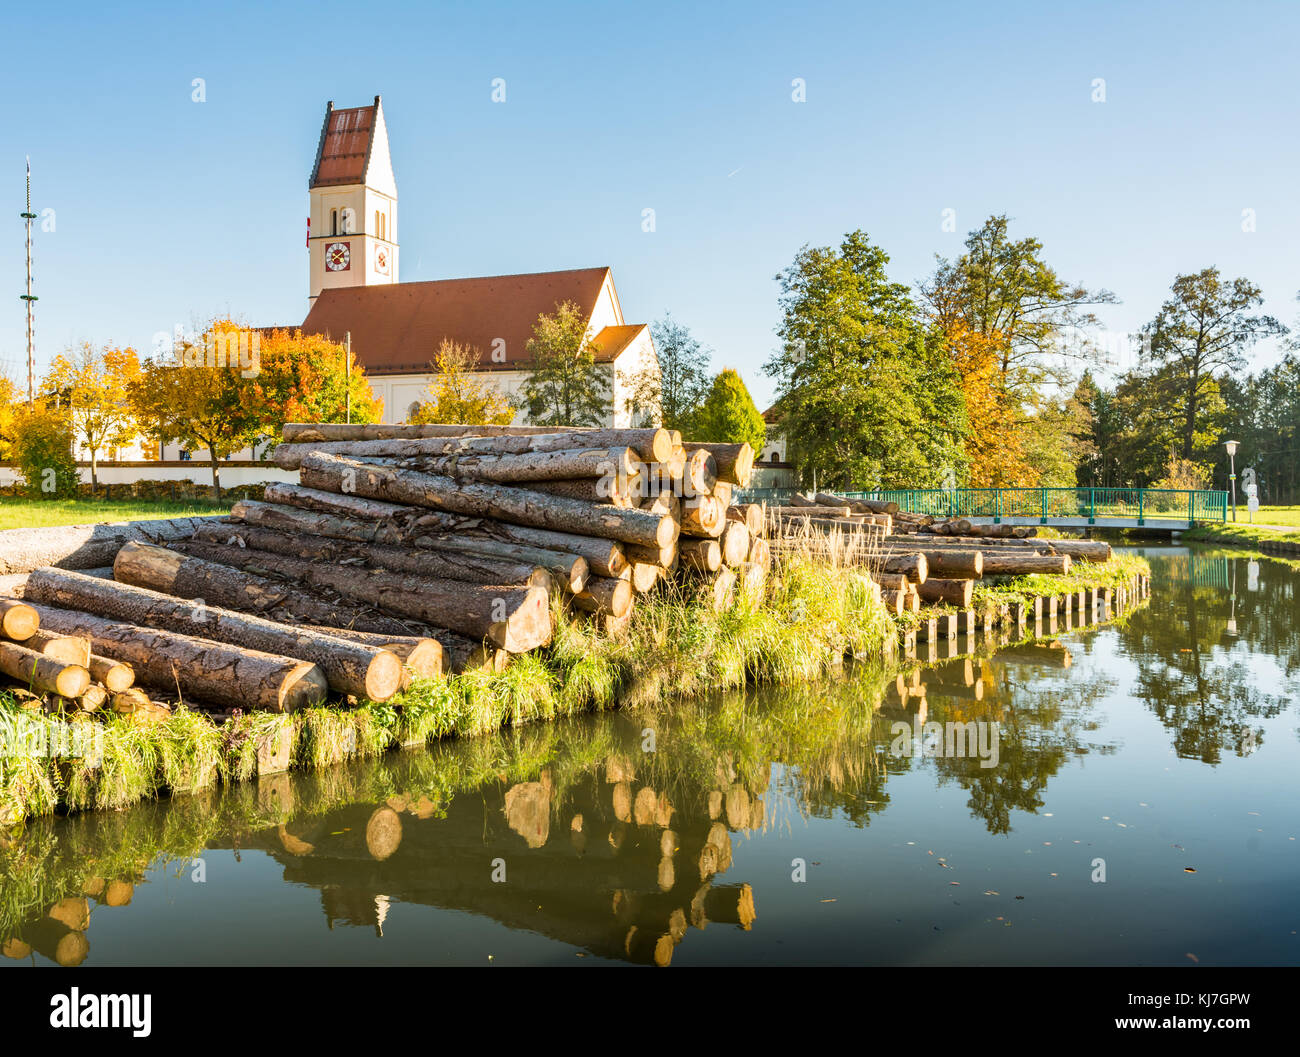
x,y
83,546
517,619
533,467
466,655
699,472
952,563
348,506
913,565
603,595
657,442
438,565
701,555
951,592
421,655
42,674
349,667
735,462
999,564
604,557
570,571
115,676
748,514
223,586
201,668
69,649
650,445
313,523
516,505
616,491
702,515
661,556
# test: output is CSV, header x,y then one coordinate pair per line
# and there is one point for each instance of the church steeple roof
x,y
347,139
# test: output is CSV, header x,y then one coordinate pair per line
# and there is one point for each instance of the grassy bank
x,y
1239,534
46,513
812,617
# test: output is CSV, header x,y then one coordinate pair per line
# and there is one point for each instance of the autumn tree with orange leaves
x,y
993,445
308,378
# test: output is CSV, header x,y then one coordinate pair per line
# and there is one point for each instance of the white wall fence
x,y
234,472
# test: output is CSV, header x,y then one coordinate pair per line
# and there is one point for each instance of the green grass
x,y
1117,572
1271,515
1239,533
44,513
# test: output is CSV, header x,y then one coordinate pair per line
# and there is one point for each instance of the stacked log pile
x,y
918,559
403,551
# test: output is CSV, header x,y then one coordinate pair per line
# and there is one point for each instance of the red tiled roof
x,y
344,148
613,340
397,328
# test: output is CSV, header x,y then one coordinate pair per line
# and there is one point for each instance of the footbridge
x,y
1154,508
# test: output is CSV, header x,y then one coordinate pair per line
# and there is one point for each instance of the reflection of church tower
x,y
353,236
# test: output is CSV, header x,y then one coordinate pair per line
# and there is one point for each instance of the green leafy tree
x,y
672,393
565,386
866,392
457,394
1203,330
42,448
728,414
1003,287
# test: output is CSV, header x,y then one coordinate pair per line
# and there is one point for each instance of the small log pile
x,y
403,551
918,559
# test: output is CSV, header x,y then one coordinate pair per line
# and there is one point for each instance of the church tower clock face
x,y
338,257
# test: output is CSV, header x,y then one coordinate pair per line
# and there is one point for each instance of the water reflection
x,y
625,836
1220,653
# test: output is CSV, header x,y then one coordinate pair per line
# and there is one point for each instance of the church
x,y
394,327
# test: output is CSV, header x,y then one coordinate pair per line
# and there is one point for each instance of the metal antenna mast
x,y
29,297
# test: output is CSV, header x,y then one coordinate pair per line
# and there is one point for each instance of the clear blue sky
x,y
168,210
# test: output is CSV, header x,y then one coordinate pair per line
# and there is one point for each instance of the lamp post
x,y
1231,445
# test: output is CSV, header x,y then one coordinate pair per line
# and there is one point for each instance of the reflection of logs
x,y
57,942
383,833
731,905
1050,652
715,803
623,801
73,911
643,810
738,806
528,811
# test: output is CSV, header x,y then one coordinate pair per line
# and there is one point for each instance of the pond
x,y
1123,794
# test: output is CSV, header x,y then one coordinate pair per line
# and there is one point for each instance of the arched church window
x,y
334,221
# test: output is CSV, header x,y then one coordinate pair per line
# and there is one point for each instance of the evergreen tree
x,y
728,414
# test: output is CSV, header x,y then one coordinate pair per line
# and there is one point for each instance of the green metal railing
x,y
1138,504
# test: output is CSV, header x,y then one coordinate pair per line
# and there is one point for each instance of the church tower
x,y
352,240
